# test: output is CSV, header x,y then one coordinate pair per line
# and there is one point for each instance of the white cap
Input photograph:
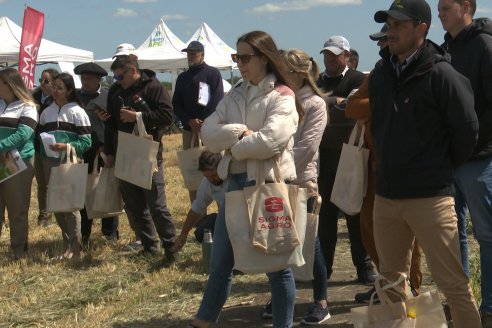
x,y
125,49
336,44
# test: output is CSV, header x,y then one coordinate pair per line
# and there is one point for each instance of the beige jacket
x,y
270,113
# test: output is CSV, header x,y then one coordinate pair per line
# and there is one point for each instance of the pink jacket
x,y
308,137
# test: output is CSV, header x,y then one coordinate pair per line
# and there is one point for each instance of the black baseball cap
x,y
194,46
417,10
379,35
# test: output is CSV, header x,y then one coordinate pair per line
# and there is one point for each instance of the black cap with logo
x,y
417,10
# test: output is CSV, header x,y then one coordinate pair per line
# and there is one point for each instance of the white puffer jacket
x,y
271,113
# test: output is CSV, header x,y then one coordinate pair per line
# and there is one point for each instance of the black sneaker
x,y
365,297
316,315
267,311
170,258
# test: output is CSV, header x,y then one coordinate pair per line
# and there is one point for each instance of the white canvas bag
x,y
67,184
350,184
188,163
305,272
249,260
136,160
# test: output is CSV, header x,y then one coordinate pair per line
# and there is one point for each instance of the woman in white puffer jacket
x,y
255,121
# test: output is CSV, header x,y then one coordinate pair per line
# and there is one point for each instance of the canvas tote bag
x,y
107,195
188,163
305,272
272,209
387,314
248,259
67,184
136,160
422,311
102,189
350,184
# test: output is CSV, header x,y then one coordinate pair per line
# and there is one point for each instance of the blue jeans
x,y
221,264
461,208
474,179
320,281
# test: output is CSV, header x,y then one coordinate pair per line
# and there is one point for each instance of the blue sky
x,y
100,25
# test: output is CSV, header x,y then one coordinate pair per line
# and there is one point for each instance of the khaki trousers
x,y
15,194
367,234
432,221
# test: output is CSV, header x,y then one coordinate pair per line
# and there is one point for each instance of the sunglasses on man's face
x,y
44,81
243,58
122,76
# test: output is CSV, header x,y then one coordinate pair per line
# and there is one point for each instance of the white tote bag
x,y
248,259
67,184
422,311
387,314
350,183
272,209
188,163
136,160
107,195
305,272
102,190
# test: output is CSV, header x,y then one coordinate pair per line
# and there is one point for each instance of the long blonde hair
x,y
299,61
12,78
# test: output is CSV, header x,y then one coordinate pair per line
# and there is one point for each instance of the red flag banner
x,y
32,32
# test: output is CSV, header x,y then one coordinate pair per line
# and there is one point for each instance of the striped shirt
x,y
69,124
18,121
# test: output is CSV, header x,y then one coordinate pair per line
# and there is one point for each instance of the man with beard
x,y
424,127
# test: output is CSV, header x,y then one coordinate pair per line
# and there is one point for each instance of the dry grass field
x,y
115,288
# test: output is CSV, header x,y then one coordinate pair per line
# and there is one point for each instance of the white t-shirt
x,y
206,194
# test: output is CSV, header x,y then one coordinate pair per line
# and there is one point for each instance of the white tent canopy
x,y
217,52
49,52
160,52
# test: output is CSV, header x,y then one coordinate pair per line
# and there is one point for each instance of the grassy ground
x,y
114,288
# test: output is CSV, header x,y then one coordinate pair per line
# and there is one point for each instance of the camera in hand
x,y
140,104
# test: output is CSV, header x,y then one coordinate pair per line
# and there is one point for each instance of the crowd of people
x,y
427,113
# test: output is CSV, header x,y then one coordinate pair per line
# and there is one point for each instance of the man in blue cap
x,y
424,127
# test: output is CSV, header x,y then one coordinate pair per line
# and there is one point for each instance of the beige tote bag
x,y
272,210
136,160
305,272
67,184
188,163
102,190
248,259
422,311
350,183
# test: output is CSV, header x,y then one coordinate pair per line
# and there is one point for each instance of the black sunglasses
x,y
243,58
44,81
122,76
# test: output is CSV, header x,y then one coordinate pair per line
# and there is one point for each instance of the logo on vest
x,y
274,204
